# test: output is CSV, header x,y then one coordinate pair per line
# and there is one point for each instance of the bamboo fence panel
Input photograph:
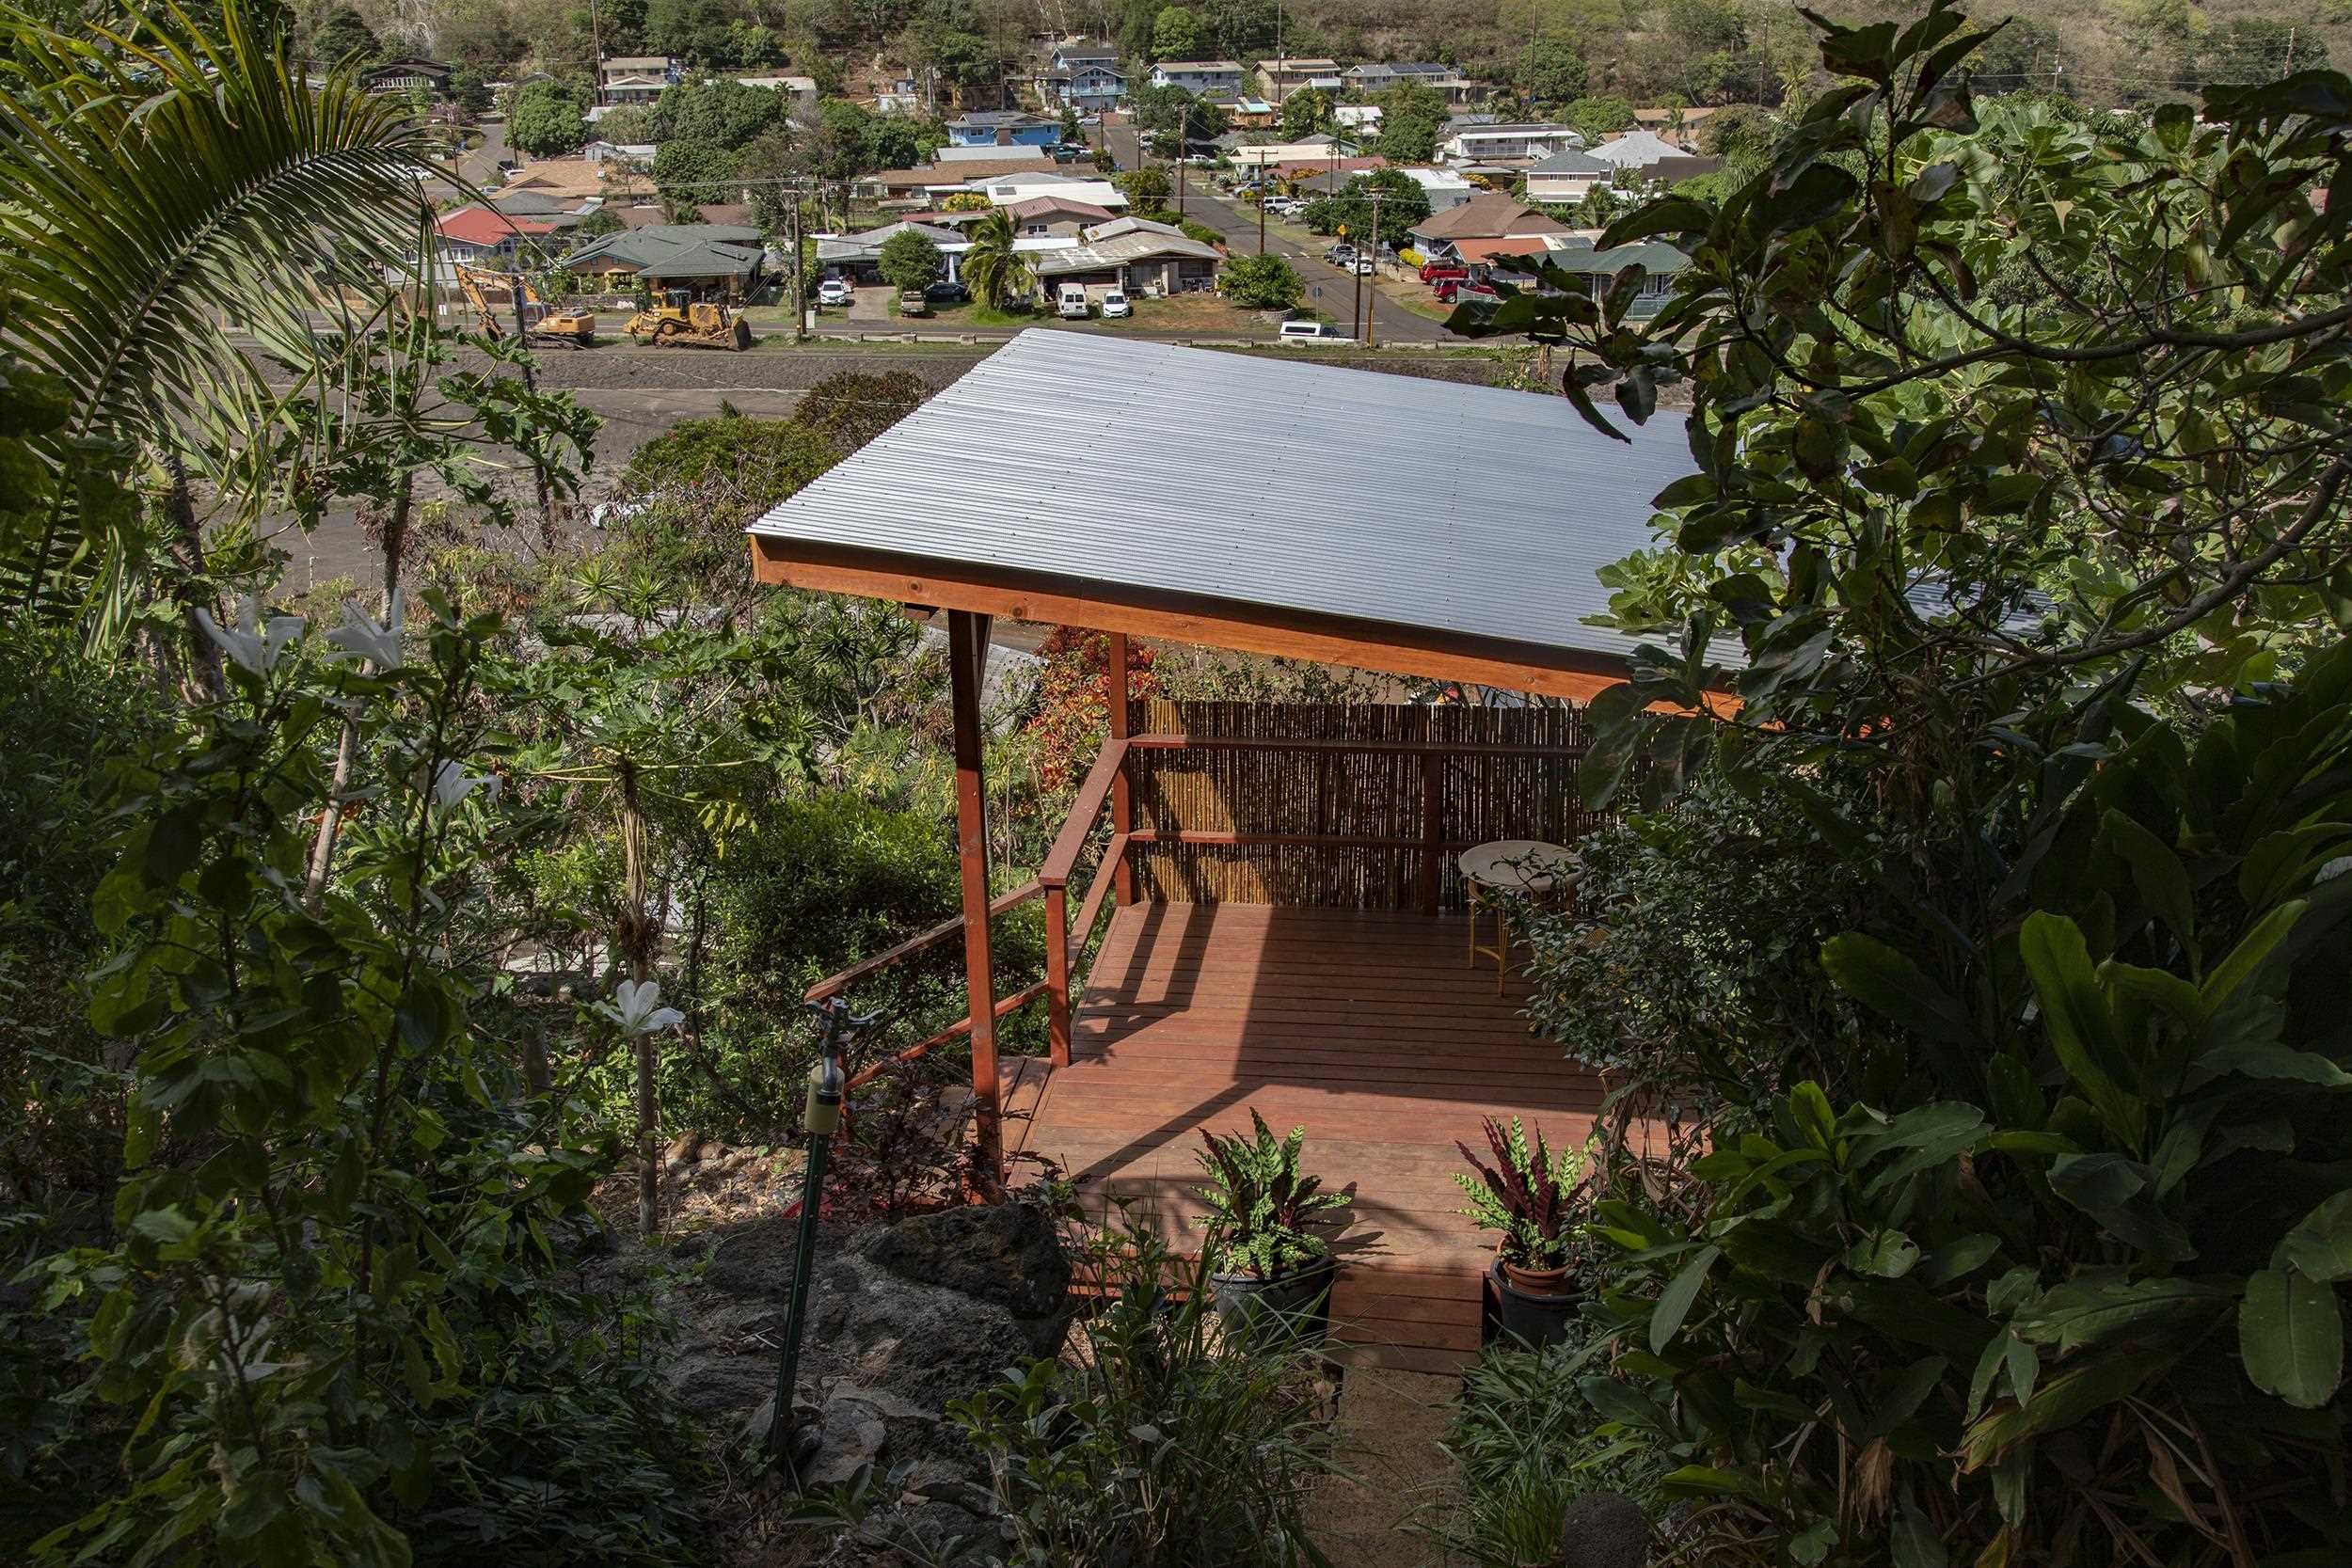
x,y
1483,795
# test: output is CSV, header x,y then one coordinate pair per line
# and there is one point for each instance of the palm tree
x,y
997,272
163,184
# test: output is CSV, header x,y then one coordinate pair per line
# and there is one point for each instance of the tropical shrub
x,y
2069,1285
1261,1205
1262,283
851,407
1131,1452
1532,1197
911,260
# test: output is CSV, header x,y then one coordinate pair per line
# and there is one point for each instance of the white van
x,y
1071,304
1310,332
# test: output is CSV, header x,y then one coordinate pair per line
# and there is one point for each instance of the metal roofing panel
x,y
1259,482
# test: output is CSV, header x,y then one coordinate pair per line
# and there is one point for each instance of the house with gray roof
x,y
1133,255
711,259
1598,269
1566,179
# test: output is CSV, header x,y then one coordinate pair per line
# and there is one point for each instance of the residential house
x,y
1362,118
1443,186
1565,178
1010,190
1199,76
1577,254
636,152
1281,78
1083,76
801,91
859,256
1269,155
1459,91
1325,176
1003,128
1505,144
406,74
952,170
712,260
478,235
1678,126
576,180
902,97
1247,111
1489,216
725,215
1134,256
1055,213
1641,157
635,78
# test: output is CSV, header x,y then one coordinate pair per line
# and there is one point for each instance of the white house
x,y
1198,76
1443,188
800,89
1487,144
1566,178
1006,190
1358,116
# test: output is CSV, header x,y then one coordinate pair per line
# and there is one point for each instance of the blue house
x,y
1003,128
1086,79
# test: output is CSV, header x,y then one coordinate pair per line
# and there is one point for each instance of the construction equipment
x,y
542,325
681,321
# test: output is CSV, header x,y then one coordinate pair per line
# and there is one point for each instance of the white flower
x,y
638,1008
361,638
453,783
252,645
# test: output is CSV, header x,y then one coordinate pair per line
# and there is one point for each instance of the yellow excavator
x,y
543,327
681,321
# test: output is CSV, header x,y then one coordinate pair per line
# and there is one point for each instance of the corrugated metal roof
x,y
1258,483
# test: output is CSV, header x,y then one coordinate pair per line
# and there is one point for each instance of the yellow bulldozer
x,y
543,327
680,320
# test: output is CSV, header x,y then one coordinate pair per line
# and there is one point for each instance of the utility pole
x,y
1371,311
799,273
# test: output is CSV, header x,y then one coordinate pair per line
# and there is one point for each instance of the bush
x,y
754,462
1165,1444
1264,283
911,260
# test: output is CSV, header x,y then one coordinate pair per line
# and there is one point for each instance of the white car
x,y
1115,305
834,291
1310,332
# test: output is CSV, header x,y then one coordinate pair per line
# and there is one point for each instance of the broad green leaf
x,y
2160,876
2084,1312
2291,1336
2075,1015
1889,1254
1915,1541
1890,985
2058,1404
2321,1247
2248,956
1674,1301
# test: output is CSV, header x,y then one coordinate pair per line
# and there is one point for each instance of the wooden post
x,y
1057,975
967,651
1432,821
1123,794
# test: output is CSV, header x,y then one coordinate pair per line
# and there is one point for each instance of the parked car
x,y
946,293
1310,332
1070,304
834,291
1456,290
1341,255
1070,151
914,302
1435,273
1362,264
1115,305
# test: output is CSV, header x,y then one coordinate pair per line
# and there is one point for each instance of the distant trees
x,y
998,273
1146,187
1305,112
911,260
1595,118
341,35
1262,283
723,113
1177,34
629,126
1403,205
700,31
546,121
1549,73
1412,115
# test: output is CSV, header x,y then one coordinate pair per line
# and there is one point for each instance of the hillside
x,y
1703,51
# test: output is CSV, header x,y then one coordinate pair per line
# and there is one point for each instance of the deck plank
x,y
1371,1029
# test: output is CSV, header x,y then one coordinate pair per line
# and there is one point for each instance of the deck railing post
x,y
1058,974
1122,795
967,648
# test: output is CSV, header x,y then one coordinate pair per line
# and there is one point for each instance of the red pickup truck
x,y
1438,272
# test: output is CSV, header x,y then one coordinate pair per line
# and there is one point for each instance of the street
x,y
1329,290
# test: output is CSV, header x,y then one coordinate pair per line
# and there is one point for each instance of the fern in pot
x,y
1271,1263
1534,1197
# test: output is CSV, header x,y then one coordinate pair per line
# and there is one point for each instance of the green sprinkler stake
x,y
791,1442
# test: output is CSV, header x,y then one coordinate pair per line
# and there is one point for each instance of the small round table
x,y
1523,865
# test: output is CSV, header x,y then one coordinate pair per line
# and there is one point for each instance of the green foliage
x,y
1261,1205
1177,34
1262,283
911,260
1412,114
701,32
1130,1451
343,38
1532,1197
1145,187
1404,205
718,111
689,172
755,463
999,274
850,409
1551,75
1305,112
1598,118
546,121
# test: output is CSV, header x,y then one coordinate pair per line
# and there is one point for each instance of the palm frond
x,y
164,188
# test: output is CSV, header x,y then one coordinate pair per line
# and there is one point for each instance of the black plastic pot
x,y
1539,1320
1299,1300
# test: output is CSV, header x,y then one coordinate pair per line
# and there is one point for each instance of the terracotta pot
x,y
1538,1282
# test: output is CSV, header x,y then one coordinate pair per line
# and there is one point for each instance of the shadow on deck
x,y
1369,1028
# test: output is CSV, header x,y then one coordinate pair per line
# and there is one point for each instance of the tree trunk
x,y
207,681
347,748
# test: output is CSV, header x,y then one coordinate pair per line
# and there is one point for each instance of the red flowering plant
x,y
1074,704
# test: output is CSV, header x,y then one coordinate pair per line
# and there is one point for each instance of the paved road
x,y
1329,290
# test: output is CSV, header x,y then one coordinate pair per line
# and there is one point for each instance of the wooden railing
x,y
1105,786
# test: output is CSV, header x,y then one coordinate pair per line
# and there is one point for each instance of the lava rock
x,y
1004,1253
1604,1530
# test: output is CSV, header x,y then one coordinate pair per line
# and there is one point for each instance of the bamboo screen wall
x,y
1341,795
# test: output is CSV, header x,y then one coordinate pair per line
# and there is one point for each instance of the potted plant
x,y
1269,1263
1534,1197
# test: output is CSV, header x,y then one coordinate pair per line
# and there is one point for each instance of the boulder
x,y
684,1149
1604,1530
1006,1254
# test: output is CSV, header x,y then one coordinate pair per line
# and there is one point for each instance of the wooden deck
x,y
1367,1028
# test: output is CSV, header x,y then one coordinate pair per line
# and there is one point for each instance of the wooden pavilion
x,y
1276,896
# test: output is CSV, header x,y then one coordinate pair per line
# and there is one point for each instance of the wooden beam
x,y
967,646
1248,628
1123,786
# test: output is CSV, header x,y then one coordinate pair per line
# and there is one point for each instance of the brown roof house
x,y
1490,215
